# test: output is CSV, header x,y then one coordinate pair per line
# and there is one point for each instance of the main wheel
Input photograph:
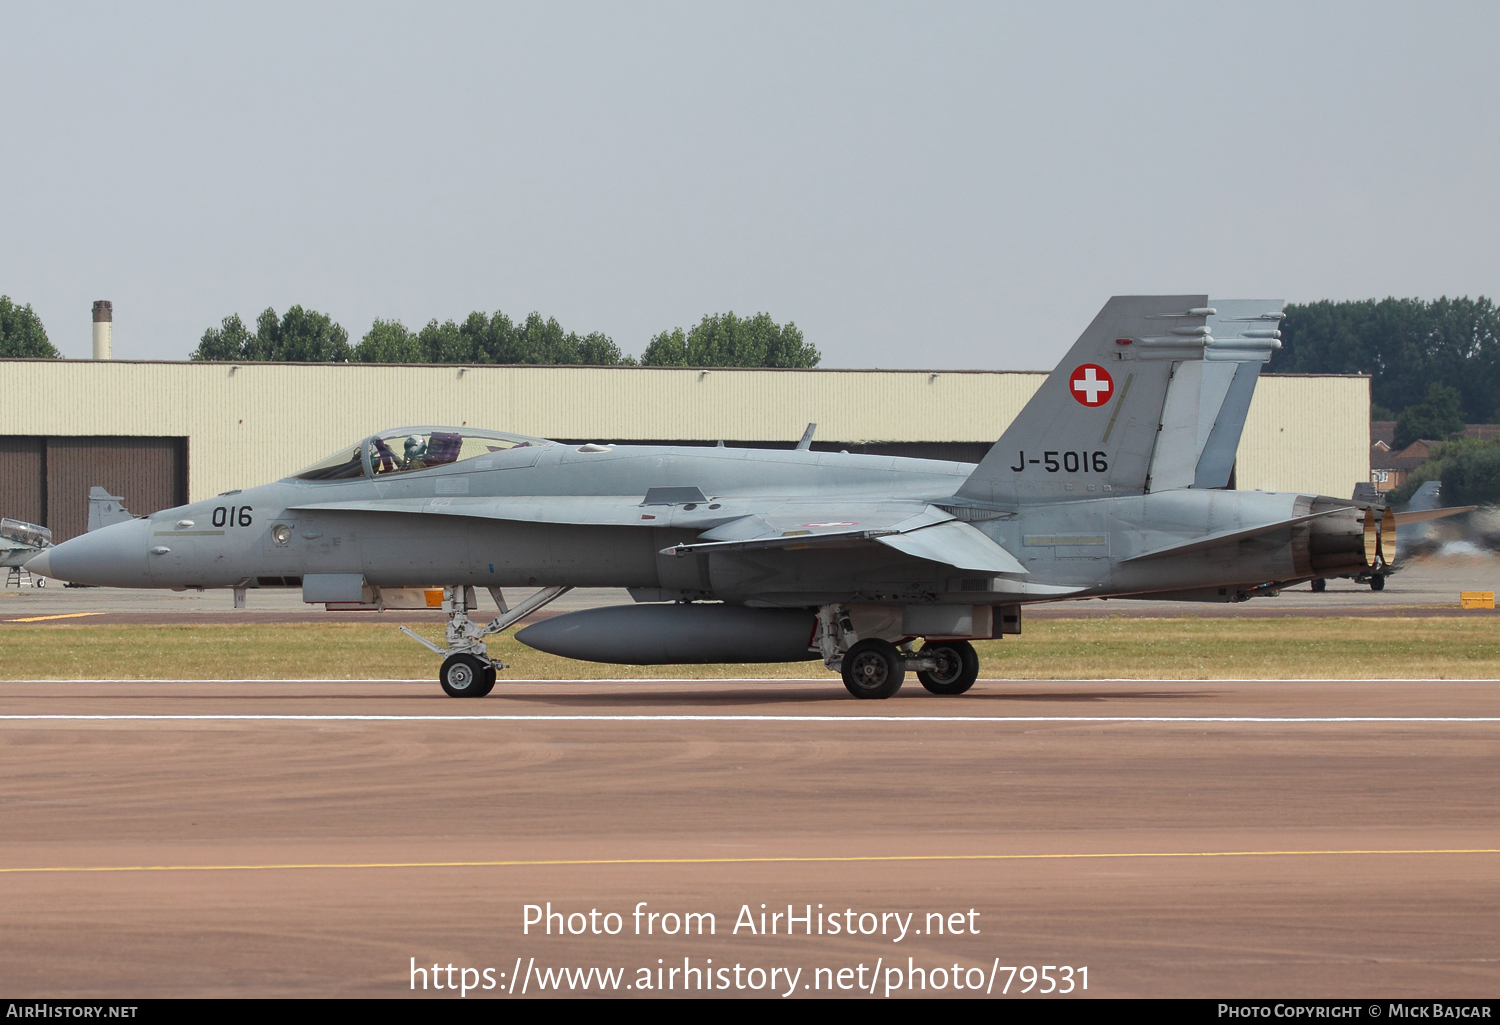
x,y
463,676
874,669
1319,584
487,682
1377,582
39,582
957,667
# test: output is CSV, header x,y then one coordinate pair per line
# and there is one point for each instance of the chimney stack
x,y
104,316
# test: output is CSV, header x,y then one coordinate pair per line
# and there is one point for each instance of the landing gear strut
x,y
468,671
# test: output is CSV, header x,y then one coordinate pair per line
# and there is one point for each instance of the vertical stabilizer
x,y
105,508
1151,397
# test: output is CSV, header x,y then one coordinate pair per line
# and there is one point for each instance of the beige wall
x,y
256,422
1307,433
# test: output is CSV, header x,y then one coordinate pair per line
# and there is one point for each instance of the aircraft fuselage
x,y
593,530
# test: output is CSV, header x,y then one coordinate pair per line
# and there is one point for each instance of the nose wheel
x,y
466,676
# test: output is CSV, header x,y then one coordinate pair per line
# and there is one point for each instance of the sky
x,y
920,185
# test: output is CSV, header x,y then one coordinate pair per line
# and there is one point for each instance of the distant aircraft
x,y
1110,483
19,544
21,541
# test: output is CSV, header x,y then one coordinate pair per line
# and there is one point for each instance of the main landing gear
x,y
956,667
468,671
875,668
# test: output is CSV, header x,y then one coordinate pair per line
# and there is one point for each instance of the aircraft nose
x,y
113,556
41,566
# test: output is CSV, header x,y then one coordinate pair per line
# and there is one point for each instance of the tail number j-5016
x,y
234,516
1065,462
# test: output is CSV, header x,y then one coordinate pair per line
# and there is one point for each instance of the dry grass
x,y
1178,648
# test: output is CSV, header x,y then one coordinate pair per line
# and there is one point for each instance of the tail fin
x,y
1151,397
105,508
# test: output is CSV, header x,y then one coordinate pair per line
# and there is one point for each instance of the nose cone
x,y
41,566
114,556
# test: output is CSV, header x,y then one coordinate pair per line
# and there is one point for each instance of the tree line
x,y
1434,365
307,336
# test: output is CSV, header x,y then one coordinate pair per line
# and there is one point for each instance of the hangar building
x,y
161,434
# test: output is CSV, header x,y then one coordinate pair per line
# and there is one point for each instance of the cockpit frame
x,y
413,449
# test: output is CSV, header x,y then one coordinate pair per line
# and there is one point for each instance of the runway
x,y
1204,838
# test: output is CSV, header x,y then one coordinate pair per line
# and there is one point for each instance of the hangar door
x,y
47,480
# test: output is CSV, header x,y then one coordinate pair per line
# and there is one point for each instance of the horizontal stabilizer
x,y
1225,536
1401,519
955,544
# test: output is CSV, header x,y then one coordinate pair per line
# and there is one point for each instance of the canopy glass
x,y
410,449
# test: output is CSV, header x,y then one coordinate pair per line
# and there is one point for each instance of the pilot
x,y
416,448
386,462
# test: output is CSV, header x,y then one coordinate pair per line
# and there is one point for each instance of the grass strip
x,y
1124,648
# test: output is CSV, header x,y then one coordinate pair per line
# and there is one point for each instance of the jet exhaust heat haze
x,y
1114,481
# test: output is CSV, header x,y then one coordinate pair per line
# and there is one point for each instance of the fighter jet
x,y
19,544
1114,481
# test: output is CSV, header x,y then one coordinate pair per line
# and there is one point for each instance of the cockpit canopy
x,y
413,448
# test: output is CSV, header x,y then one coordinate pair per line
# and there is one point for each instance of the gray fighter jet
x,y
1112,482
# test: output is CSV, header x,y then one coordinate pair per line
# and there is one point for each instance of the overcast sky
x,y
915,185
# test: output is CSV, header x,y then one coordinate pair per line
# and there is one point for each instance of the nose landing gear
x,y
468,671
465,676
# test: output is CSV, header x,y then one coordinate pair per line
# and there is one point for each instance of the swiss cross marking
x,y
1091,385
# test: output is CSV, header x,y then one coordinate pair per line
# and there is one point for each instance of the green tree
x,y
493,338
301,336
668,349
1471,476
725,340
1435,417
224,343
1405,345
388,341
22,335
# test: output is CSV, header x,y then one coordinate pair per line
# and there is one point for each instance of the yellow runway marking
x,y
734,861
65,615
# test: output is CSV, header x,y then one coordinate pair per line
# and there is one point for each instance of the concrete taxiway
x,y
1198,838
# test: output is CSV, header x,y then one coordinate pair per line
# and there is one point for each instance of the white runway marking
x,y
851,718
830,678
